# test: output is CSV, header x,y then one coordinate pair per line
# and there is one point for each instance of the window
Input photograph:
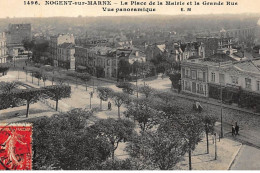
x,y
258,85
248,83
193,74
187,86
221,78
204,76
213,77
183,72
234,80
187,72
200,75
200,89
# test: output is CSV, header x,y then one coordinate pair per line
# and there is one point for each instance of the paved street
x,y
248,158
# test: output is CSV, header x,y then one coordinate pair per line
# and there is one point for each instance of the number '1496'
x,y
31,3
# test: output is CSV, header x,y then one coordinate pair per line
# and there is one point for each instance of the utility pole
x,y
136,82
221,112
215,146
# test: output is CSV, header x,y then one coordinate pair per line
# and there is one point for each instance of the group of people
x,y
235,129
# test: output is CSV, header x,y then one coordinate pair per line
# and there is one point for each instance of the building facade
x,y
16,34
105,59
3,48
194,78
57,40
65,56
201,77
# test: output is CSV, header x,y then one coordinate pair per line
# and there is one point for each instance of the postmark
x,y
16,146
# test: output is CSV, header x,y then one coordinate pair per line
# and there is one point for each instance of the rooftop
x,y
66,45
218,58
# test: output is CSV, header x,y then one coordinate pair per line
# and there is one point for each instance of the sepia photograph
x,y
129,85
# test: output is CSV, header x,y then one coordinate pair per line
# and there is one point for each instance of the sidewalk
x,y
227,150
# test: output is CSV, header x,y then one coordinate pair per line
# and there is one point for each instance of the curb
x,y
234,157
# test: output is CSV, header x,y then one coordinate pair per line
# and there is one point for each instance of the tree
x,y
165,96
103,94
175,79
191,127
38,75
7,87
65,141
142,113
28,45
119,99
44,78
146,90
114,131
57,92
127,87
4,70
31,95
209,123
157,148
116,164
124,69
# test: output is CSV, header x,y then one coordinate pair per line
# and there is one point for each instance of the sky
x,y
16,8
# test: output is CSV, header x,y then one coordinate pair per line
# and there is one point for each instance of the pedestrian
x,y
109,105
91,94
233,130
236,129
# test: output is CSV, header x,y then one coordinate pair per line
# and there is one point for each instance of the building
x,y
3,48
192,49
57,40
81,57
65,56
16,34
155,50
175,51
105,59
206,77
210,43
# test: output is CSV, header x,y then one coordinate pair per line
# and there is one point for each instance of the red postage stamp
x,y
15,146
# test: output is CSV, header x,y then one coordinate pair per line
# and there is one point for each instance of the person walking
x,y
233,130
109,105
236,129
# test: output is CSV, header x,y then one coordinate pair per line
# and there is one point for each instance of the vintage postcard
x,y
129,85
